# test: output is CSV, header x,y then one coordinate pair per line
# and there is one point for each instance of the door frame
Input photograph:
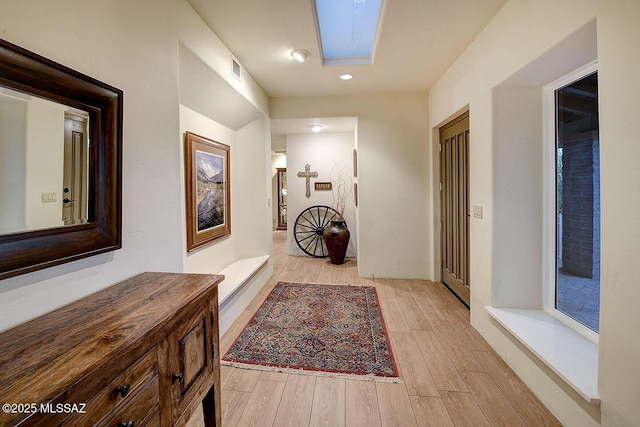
x,y
75,172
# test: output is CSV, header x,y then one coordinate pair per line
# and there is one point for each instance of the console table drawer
x,y
119,392
140,409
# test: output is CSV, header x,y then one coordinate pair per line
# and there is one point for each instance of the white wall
x,y
13,127
392,176
44,163
252,213
619,85
327,154
499,78
134,46
32,152
517,194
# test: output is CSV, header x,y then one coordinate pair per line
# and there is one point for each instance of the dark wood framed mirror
x,y
27,243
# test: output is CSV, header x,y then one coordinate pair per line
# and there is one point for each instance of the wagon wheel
x,y
308,230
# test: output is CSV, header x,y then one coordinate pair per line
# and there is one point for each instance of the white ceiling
x,y
329,124
418,41
282,127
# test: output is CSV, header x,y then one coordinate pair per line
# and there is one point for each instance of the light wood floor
x,y
451,375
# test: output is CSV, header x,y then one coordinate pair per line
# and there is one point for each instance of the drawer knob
x,y
178,377
122,390
126,424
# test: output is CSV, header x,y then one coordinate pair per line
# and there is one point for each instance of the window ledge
x,y
567,353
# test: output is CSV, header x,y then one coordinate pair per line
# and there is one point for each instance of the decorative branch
x,y
342,187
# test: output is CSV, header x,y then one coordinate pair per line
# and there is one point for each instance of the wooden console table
x,y
143,352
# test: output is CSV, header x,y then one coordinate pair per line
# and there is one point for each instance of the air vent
x,y
235,68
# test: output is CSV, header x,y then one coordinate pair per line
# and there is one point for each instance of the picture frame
x,y
208,191
322,186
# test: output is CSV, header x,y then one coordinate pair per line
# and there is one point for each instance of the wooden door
x,y
75,177
191,364
454,202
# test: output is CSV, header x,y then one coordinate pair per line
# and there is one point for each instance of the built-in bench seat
x,y
242,281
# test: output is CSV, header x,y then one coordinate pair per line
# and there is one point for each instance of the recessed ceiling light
x,y
346,76
300,54
316,128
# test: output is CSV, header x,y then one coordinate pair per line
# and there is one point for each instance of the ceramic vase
x,y
336,237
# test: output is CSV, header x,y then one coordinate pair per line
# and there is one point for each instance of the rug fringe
x,y
364,377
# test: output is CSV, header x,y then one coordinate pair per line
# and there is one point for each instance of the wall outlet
x,y
48,197
477,212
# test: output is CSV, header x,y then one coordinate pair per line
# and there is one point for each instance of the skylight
x,y
347,30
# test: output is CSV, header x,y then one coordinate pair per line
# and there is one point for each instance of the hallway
x,y
451,376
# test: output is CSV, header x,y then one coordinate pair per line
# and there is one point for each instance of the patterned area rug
x,y
334,330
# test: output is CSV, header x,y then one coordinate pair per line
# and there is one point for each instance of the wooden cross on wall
x,y
306,174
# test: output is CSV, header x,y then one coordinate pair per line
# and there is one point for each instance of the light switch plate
x,y
477,212
48,197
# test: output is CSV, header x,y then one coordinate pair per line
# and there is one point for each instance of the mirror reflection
x,y
44,163
282,198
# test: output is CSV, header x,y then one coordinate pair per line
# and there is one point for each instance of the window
x,y
574,293
347,30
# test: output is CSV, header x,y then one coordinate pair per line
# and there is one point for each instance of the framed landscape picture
x,y
207,190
